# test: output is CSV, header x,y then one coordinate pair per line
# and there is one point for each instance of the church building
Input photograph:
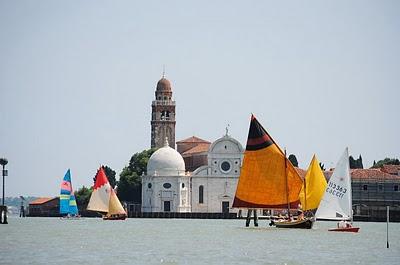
x,y
206,185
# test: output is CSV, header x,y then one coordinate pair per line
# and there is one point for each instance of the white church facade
x,y
209,189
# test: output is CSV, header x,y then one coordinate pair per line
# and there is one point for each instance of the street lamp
x,y
3,212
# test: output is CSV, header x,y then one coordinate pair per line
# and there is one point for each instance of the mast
x,y
287,188
351,190
305,194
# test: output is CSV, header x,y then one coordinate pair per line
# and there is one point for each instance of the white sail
x,y
336,203
100,198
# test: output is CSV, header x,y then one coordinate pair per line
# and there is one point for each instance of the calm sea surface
x,y
190,241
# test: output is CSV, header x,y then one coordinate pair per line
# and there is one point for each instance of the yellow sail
x,y
267,178
314,186
115,207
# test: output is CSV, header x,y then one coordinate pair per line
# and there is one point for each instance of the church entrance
x,y
225,207
167,206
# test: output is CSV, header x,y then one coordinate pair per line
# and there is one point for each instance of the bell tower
x,y
163,115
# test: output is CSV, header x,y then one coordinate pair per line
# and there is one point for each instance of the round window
x,y
167,185
149,185
225,166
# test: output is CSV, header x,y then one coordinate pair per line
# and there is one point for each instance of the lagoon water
x,y
190,241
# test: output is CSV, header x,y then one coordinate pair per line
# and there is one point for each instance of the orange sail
x,y
267,178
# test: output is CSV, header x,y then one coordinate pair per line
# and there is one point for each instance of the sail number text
x,y
336,190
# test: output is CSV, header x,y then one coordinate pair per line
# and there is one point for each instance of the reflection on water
x,y
185,241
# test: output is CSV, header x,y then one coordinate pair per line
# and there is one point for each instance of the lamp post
x,y
3,212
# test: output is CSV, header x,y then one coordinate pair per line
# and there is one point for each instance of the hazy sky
x,y
77,79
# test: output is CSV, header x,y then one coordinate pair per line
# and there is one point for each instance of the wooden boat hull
x,y
120,217
304,224
345,229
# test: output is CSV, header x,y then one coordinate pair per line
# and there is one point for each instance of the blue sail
x,y
67,197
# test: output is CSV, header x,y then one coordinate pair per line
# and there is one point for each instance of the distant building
x,y
42,207
168,187
372,190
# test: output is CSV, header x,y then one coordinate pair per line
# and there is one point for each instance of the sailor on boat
x,y
344,224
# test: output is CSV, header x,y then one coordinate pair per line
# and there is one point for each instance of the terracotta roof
x,y
41,200
200,148
391,169
193,139
372,174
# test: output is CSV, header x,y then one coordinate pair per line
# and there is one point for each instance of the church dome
x,y
166,161
164,85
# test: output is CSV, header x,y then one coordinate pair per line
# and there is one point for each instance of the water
x,y
190,241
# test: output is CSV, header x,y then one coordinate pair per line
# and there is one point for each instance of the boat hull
x,y
304,224
345,229
120,217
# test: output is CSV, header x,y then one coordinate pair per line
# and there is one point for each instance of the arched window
x,y
201,194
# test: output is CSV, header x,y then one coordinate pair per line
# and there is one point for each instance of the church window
x,y
201,194
167,185
396,188
183,185
159,98
225,147
225,166
149,185
165,98
365,187
380,187
215,162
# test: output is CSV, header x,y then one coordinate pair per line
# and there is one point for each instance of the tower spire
x,y
163,72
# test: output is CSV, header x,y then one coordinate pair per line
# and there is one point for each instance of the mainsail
x,y
100,197
314,186
67,197
336,203
267,178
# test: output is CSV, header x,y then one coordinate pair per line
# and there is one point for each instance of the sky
x,y
77,79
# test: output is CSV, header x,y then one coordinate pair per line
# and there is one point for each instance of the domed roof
x,y
163,85
166,161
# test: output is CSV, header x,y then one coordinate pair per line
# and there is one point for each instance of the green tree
x,y
356,163
130,181
386,161
292,158
82,197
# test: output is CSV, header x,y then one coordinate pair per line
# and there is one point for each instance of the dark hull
x,y
304,224
120,217
345,229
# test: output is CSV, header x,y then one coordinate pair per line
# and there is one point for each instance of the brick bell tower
x,y
163,115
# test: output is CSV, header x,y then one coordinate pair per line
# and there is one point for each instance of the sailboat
x,y
268,179
104,199
313,188
68,207
336,203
